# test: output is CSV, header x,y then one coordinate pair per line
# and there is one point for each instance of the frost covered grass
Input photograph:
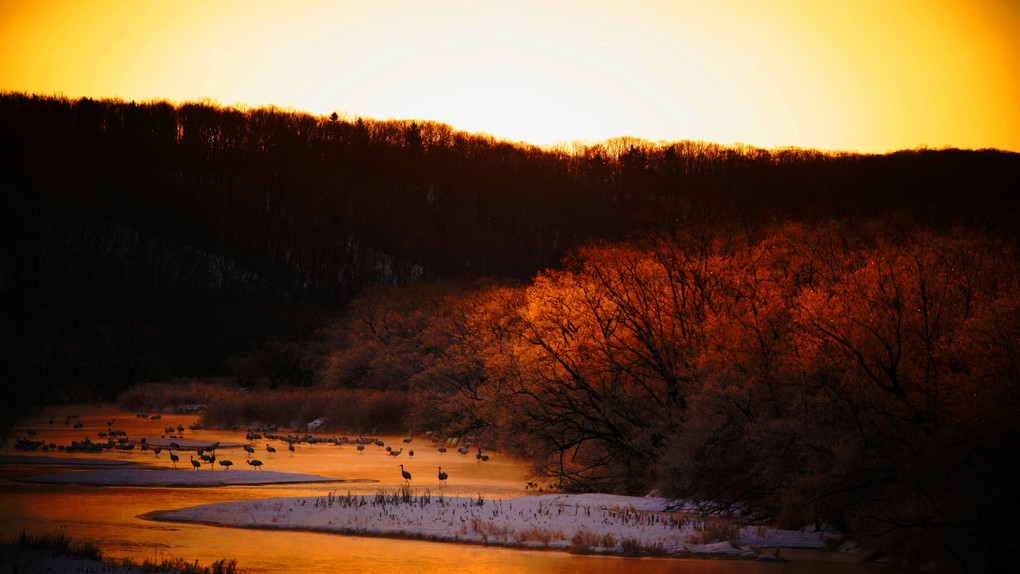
x,y
582,524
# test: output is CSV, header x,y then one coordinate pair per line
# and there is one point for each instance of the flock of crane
x,y
207,453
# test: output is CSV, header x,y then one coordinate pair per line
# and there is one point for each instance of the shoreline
x,y
157,516
575,524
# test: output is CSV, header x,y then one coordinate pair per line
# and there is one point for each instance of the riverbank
x,y
565,524
581,524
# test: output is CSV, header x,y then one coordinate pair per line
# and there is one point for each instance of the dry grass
x,y
156,396
713,529
535,534
344,410
584,541
59,544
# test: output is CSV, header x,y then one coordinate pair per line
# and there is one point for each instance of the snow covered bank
x,y
64,461
179,477
576,523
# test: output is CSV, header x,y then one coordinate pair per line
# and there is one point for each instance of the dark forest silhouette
x,y
147,240
806,335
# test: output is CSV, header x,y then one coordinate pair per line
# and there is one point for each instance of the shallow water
x,y
110,516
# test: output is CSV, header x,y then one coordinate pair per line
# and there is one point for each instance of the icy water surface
x,y
111,516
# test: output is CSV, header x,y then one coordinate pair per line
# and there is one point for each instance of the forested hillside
x,y
141,240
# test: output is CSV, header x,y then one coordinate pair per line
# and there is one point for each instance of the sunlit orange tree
x,y
609,351
861,375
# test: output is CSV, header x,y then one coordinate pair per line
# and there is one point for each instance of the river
x,y
110,516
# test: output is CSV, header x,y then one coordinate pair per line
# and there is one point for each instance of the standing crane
x,y
405,474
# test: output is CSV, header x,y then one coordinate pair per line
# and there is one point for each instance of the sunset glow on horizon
x,y
867,75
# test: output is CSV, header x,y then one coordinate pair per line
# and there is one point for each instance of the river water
x,y
111,516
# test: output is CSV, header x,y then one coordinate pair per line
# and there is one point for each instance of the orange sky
x,y
866,75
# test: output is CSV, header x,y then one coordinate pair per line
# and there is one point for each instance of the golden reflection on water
x,y
110,515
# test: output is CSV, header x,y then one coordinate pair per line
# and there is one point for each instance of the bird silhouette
x,y
174,458
405,474
254,462
396,452
226,464
270,450
194,463
442,476
248,449
361,448
290,447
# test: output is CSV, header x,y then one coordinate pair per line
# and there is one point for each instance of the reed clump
x,y
175,394
59,544
341,410
714,529
585,541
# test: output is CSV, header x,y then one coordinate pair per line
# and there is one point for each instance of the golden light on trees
x,y
866,75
